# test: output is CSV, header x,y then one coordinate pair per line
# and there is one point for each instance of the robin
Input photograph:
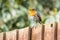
x,y
35,17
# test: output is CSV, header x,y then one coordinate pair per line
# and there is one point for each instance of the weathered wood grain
x,y
47,32
50,32
37,33
58,31
23,34
11,35
1,36
54,32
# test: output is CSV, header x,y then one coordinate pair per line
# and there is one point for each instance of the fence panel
x,y
23,34
58,32
37,33
47,32
11,35
54,32
50,32
1,36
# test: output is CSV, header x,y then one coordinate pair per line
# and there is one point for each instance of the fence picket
x,y
23,34
11,35
49,31
1,36
58,32
53,32
37,33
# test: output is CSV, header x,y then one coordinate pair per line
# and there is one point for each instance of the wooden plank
x,y
11,35
1,36
53,32
58,32
50,32
47,32
37,33
23,34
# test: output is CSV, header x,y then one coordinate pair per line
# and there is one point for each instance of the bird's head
x,y
32,12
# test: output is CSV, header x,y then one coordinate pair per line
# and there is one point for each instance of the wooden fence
x,y
41,32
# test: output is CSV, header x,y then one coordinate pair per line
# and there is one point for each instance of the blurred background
x,y
14,14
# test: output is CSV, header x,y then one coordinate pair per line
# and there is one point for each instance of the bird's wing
x,y
40,20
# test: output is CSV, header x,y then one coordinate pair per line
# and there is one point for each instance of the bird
x,y
34,18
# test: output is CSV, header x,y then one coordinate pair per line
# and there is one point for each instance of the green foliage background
x,y
21,7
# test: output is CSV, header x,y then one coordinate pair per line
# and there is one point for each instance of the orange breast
x,y
32,13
